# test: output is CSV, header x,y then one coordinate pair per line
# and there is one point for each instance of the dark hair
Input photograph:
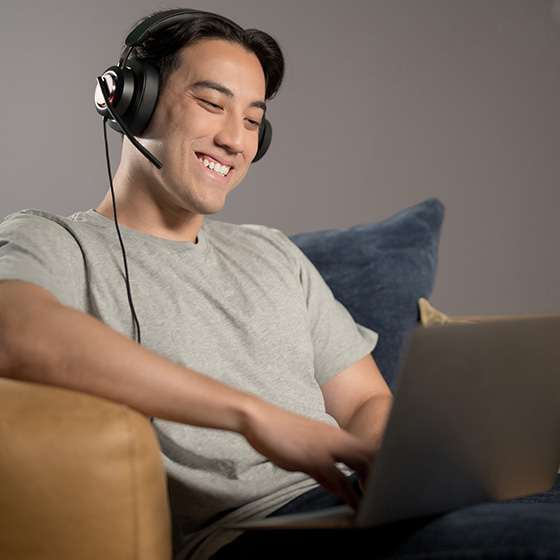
x,y
162,49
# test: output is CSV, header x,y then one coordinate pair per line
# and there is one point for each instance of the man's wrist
x,y
247,414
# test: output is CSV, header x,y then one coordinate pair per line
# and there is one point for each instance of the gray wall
x,y
386,102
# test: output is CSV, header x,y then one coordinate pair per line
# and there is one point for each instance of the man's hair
x,y
162,49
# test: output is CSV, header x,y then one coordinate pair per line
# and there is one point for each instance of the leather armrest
x,y
80,477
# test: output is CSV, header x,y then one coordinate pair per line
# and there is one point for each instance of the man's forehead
x,y
227,65
217,50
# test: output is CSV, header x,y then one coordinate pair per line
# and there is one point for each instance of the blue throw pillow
x,y
379,271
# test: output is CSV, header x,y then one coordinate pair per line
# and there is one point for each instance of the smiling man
x,y
259,382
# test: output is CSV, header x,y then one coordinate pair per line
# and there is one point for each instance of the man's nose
x,y
231,135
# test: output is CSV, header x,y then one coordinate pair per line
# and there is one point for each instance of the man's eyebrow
x,y
226,91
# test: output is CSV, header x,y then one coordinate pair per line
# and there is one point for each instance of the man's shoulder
x,y
213,225
243,231
32,215
253,243
42,228
250,237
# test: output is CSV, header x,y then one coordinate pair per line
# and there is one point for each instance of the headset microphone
x,y
103,88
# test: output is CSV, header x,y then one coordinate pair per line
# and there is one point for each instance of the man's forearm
x,y
43,341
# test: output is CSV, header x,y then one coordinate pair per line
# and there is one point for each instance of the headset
x,y
126,95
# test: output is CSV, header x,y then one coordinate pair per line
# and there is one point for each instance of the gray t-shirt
x,y
242,305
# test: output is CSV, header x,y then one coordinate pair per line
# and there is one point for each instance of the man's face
x,y
205,127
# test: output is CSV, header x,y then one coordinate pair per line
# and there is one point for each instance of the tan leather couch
x,y
80,478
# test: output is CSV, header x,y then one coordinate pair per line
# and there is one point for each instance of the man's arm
x,y
360,401
45,342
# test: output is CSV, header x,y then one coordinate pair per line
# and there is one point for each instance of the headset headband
x,y
166,19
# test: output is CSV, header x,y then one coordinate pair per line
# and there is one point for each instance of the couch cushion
x,y
379,271
81,477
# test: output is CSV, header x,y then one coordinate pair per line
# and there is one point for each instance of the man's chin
x,y
210,209
210,204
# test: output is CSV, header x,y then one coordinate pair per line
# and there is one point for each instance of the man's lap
x,y
528,527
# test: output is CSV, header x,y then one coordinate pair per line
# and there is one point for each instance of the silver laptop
x,y
476,418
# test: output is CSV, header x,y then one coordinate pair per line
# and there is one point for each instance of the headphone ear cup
x,y
120,86
134,93
145,97
265,137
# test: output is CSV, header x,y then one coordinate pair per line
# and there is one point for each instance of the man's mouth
x,y
216,167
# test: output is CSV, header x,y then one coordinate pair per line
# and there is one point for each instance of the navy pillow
x,y
379,271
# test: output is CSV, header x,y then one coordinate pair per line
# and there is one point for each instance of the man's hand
x,y
296,443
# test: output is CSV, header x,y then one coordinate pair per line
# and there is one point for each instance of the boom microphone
x,y
106,96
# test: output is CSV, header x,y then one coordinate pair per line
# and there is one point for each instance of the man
x,y
245,354
241,337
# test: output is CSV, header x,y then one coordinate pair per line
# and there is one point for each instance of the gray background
x,y
385,103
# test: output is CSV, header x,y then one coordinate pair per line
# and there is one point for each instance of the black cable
x,y
127,278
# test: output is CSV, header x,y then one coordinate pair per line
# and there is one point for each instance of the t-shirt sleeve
x,y
36,249
338,341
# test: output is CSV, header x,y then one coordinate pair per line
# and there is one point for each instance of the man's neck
x,y
150,219
140,208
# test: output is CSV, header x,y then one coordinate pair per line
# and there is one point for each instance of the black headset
x,y
126,94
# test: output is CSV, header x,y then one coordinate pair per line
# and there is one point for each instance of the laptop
x,y
476,418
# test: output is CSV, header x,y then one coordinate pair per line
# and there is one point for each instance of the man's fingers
x,y
355,454
359,463
335,481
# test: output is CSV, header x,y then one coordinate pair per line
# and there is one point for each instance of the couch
x,y
81,477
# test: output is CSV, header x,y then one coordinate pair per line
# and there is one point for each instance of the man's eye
x,y
209,103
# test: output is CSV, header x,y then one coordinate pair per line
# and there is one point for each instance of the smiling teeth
x,y
215,166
